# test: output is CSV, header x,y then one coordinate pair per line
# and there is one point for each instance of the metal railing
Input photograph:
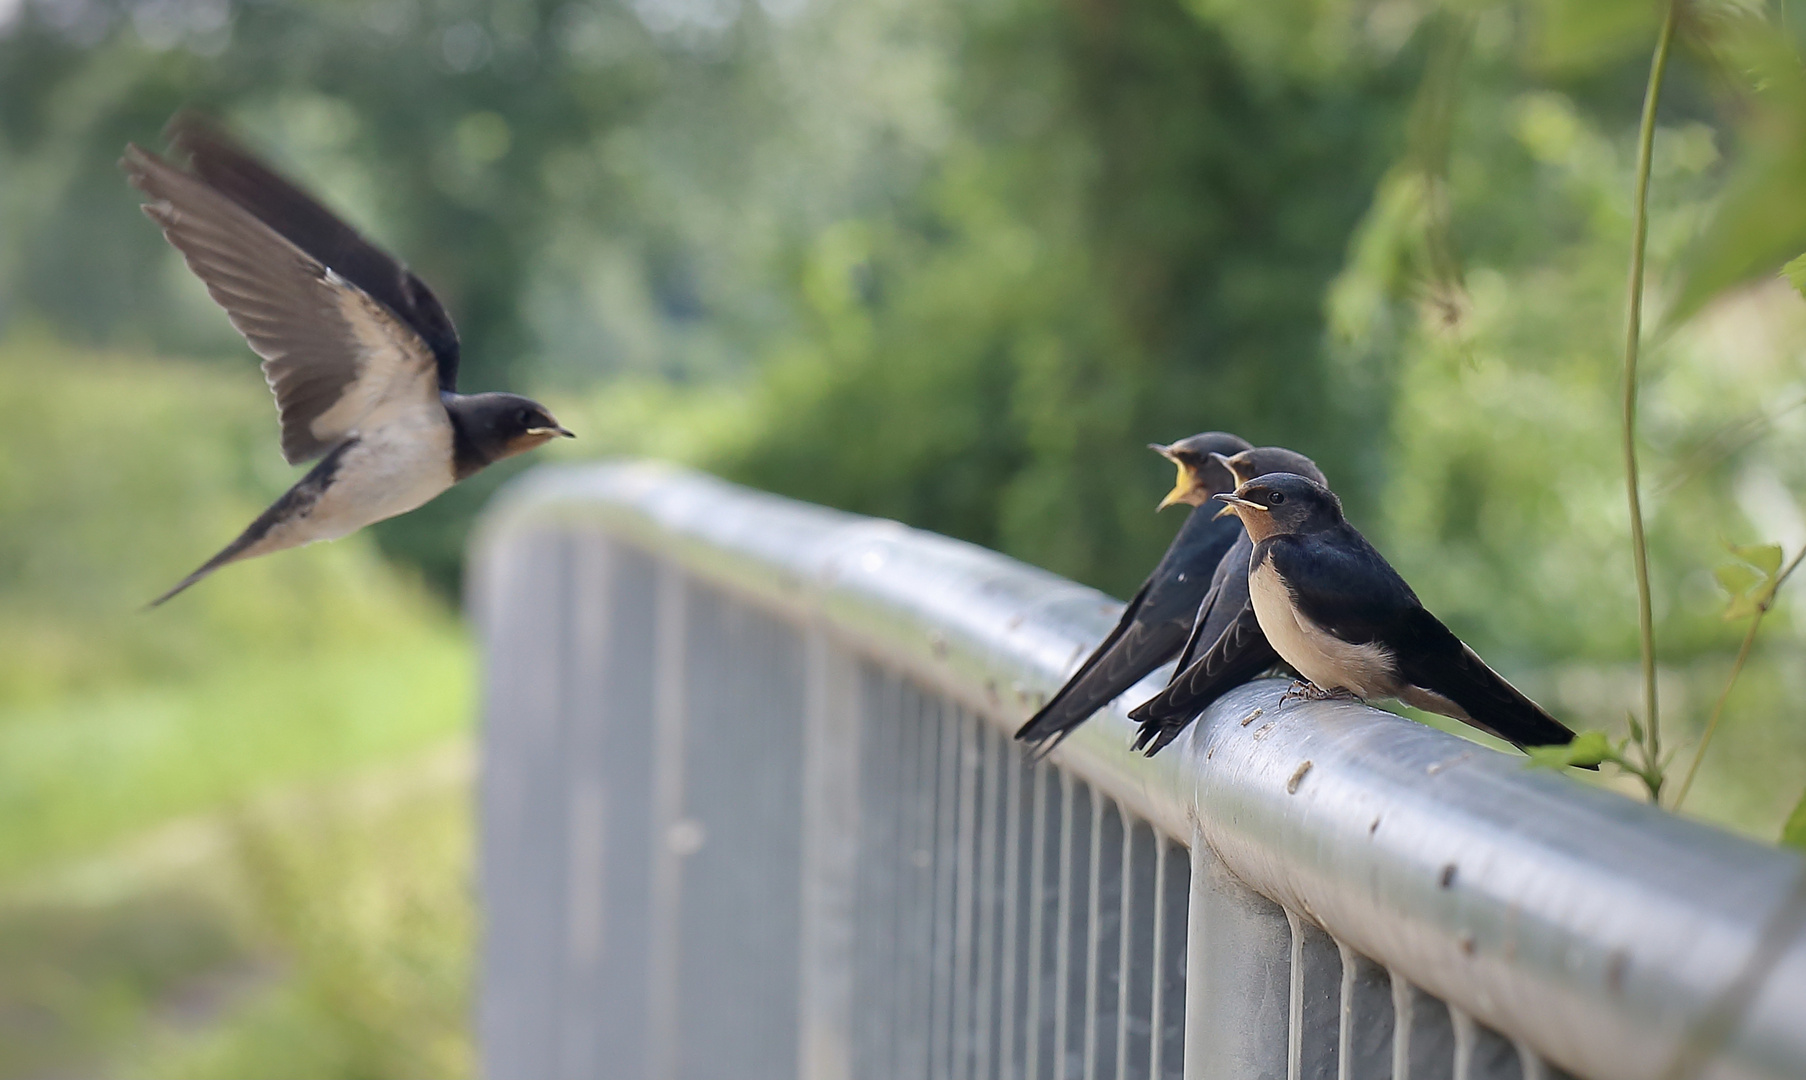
x,y
750,809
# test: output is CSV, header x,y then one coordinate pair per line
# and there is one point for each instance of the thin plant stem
x,y
1743,654
1652,740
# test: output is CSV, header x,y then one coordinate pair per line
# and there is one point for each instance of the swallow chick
x,y
1226,647
1154,625
1338,613
361,357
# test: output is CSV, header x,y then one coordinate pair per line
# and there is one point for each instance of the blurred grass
x,y
149,754
234,831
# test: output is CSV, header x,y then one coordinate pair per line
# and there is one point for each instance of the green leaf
x,y
1793,834
1737,578
1795,270
1588,748
1742,607
1764,557
1636,726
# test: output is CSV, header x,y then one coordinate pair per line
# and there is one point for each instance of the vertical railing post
x,y
1237,976
669,711
584,662
831,733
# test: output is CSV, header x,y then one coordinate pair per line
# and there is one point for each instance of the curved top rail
x,y
1610,937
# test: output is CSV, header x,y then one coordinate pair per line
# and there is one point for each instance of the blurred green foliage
x,y
162,913
953,263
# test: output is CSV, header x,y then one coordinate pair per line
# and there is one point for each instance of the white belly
x,y
1326,660
398,464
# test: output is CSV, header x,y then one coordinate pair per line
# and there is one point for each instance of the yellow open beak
x,y
1183,486
548,432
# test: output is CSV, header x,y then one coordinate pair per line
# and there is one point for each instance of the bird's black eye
x,y
526,418
1274,498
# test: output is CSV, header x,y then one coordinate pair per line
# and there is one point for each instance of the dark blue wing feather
x,y
1151,630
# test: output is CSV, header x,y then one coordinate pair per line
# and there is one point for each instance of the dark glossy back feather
x,y
1431,656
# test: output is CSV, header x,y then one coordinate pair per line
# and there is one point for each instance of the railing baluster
x,y
1364,1027
883,780
1173,960
1133,953
989,869
524,880
1094,934
1237,976
1105,928
1157,989
832,799
669,708
1480,1052
1423,1035
964,899
1014,926
1064,920
1040,1023
946,866
1314,1015
1463,1028
912,1036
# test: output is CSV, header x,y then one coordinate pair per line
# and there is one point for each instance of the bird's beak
x,y
1182,489
1236,476
548,432
1183,486
1229,463
1235,501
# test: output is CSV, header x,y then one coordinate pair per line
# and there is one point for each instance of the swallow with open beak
x,y
1155,624
1226,647
361,357
1339,614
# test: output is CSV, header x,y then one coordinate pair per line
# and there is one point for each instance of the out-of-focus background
x,y
949,261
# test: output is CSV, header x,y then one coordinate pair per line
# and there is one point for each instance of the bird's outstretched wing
x,y
1430,656
1240,652
331,353
233,172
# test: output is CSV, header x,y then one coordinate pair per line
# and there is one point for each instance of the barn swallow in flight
x,y
1226,647
1338,613
1154,625
361,357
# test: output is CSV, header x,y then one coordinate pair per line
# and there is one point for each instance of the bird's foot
x,y
1298,691
1305,690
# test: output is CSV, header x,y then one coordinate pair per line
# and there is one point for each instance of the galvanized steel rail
x,y
750,809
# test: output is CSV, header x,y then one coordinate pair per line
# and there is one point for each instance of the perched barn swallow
x,y
1226,647
1336,611
360,355
1154,625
